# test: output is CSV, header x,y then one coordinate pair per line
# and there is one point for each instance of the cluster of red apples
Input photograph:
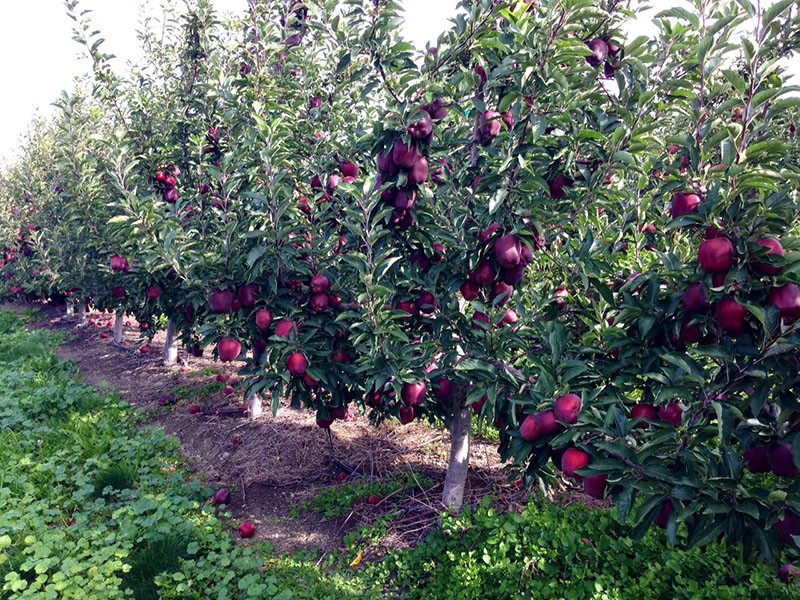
x,y
167,182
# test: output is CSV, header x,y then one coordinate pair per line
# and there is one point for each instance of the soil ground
x,y
274,464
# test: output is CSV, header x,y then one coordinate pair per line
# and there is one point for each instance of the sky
x,y
39,57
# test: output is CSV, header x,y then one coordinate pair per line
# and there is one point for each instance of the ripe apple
x,y
528,430
595,486
422,127
757,459
297,364
404,155
644,411
247,529
671,413
406,414
599,50
285,329
194,409
663,516
787,299
547,423
118,292
695,298
572,460
509,318
716,255
221,301
443,389
788,573
508,251
228,349
418,173
781,461
386,165
557,185
413,394
731,316
319,284
318,303
774,247
484,273
407,306
470,289
247,294
349,169
221,496
374,499
153,292
481,321
426,302
684,203
568,408
788,526
515,275
119,263
501,293
489,127
263,319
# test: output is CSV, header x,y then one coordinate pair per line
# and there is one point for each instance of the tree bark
x,y
255,405
171,344
119,334
460,425
82,321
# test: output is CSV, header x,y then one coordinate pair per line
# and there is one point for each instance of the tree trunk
x,y
70,309
460,425
171,344
255,405
82,321
119,334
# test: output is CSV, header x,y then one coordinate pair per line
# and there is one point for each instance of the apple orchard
x,y
585,239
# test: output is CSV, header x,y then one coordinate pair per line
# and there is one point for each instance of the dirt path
x,y
275,463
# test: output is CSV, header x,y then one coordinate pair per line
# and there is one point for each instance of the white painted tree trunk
x,y
70,309
119,333
460,425
171,344
82,320
255,405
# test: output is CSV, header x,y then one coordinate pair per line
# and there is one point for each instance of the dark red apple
x,y
386,165
221,496
528,430
557,185
470,290
644,411
509,318
684,203
443,389
297,364
322,422
774,247
568,408
781,461
285,329
406,414
404,155
501,293
153,292
787,299
671,413
349,169
118,292
731,316
484,273
572,460
599,49
481,321
119,263
247,529
427,303
757,459
373,499
716,255
228,349
318,303
515,275
547,423
413,394
508,251
663,516
247,294
788,573
788,526
595,486
695,298
418,173
263,319
407,307
319,284
221,301
422,126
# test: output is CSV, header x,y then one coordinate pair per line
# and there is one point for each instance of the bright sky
x,y
39,57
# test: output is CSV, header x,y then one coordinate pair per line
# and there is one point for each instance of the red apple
x,y
787,299
318,303
644,411
119,263
663,516
386,165
788,526
671,413
443,389
222,496
599,50
422,126
407,307
695,298
228,349
221,301
788,573
418,173
470,290
247,529
263,319
374,499
716,255
509,318
153,292
557,185
484,273
404,155
319,284
285,329
684,203
528,430
501,293
194,409
413,394
297,364
731,316
406,414
567,408
781,461
118,292
547,423
322,422
508,251
349,169
757,459
427,303
773,246
247,294
481,321
572,460
595,486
